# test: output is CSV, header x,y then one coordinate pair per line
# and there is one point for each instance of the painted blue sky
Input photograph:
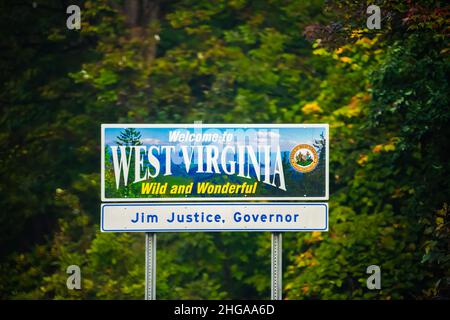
x,y
287,138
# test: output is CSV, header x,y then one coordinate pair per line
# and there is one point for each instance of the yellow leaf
x,y
339,50
362,159
389,147
312,107
346,59
377,148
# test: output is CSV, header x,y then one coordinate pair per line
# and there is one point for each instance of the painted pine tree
x,y
129,137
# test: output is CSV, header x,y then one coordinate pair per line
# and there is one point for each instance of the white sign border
x,y
325,204
202,125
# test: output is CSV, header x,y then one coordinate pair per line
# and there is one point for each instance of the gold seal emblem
x,y
304,158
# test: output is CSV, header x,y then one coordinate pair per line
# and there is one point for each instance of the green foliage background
x,y
384,94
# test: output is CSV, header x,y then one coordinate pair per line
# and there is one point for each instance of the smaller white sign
x,y
187,217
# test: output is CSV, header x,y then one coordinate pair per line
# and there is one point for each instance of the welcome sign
x,y
197,162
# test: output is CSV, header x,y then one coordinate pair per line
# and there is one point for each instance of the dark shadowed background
x,y
384,93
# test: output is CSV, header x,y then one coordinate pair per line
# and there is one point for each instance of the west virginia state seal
x,y
304,158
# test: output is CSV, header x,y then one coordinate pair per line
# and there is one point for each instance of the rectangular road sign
x,y
183,217
199,162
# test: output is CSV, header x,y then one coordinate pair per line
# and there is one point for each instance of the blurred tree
x,y
385,96
402,177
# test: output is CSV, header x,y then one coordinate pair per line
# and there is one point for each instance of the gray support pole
x,y
150,266
277,274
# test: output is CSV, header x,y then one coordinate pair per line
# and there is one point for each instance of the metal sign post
x,y
150,266
277,273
